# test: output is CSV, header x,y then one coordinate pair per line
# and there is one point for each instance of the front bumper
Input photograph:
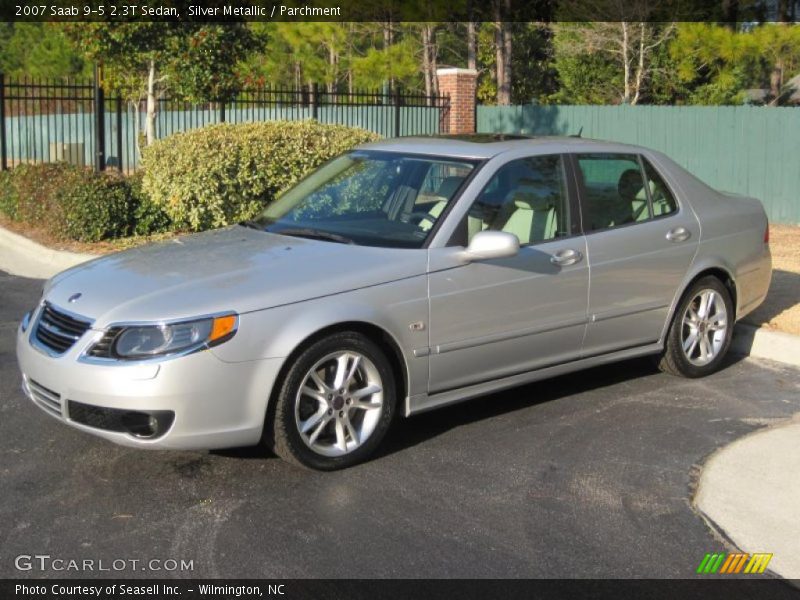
x,y
201,402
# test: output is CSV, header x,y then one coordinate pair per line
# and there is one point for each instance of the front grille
x,y
142,424
44,397
57,330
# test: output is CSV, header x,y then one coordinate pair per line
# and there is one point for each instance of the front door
x,y
496,318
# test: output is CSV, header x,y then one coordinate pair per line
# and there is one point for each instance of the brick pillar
x,y
460,85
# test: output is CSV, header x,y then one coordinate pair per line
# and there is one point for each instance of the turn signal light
x,y
222,327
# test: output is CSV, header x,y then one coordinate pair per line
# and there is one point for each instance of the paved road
x,y
586,475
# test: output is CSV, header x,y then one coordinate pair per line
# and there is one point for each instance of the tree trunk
x,y
507,48
350,60
502,42
472,46
387,42
152,106
783,11
776,81
776,75
434,60
332,59
626,65
730,13
640,67
426,59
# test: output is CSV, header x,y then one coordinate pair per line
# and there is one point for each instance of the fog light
x,y
26,320
140,424
146,425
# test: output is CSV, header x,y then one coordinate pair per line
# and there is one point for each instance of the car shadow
x,y
407,433
417,429
783,294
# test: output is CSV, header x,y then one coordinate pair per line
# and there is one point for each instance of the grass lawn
x,y
781,310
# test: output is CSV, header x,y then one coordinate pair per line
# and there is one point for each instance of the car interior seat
x,y
661,205
529,213
444,192
632,204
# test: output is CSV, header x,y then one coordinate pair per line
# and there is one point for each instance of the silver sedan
x,y
403,276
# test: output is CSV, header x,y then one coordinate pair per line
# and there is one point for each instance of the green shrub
x,y
226,173
8,195
147,217
93,207
68,202
35,190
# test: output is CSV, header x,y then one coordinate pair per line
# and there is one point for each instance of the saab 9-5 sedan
x,y
402,276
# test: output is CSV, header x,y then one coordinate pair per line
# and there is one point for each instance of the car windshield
x,y
386,199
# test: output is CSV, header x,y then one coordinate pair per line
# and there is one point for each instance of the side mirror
x,y
486,245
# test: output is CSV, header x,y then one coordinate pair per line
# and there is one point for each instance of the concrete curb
x,y
746,491
765,343
26,258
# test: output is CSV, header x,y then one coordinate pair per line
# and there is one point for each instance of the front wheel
x,y
701,330
335,403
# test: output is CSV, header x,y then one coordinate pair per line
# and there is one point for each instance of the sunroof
x,y
484,138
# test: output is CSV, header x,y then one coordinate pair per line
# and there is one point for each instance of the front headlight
x,y
131,342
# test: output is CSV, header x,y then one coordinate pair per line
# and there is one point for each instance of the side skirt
x,y
424,402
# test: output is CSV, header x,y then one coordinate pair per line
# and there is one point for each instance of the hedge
x,y
226,173
76,204
197,180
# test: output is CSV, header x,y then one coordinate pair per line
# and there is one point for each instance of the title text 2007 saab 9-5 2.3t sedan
x,y
402,276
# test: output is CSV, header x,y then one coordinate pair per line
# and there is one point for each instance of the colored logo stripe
x,y
758,564
734,563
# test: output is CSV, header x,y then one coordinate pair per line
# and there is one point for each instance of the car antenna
x,y
577,135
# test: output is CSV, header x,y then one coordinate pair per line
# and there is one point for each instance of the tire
x,y
328,414
686,353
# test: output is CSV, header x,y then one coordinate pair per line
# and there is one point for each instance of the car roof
x,y
488,145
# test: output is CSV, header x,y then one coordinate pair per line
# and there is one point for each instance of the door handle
x,y
564,258
679,234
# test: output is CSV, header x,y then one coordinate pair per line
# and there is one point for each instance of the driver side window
x,y
526,197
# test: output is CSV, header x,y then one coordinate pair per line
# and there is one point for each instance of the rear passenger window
x,y
526,197
662,198
615,192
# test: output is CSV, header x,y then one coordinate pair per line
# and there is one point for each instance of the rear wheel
x,y
701,330
335,404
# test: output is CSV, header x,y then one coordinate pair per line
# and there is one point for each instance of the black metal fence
x,y
76,122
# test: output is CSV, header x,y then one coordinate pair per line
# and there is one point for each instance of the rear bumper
x,y
752,283
204,402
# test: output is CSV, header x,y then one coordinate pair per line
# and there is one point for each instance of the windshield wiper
x,y
314,234
252,225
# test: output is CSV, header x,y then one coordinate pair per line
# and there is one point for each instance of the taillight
x,y
766,234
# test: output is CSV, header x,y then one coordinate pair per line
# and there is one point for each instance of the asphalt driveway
x,y
587,475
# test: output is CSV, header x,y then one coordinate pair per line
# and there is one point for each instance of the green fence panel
x,y
743,149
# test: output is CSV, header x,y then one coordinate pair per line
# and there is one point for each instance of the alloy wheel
x,y
339,403
704,327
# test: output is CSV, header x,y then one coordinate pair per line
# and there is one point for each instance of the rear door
x,y
640,242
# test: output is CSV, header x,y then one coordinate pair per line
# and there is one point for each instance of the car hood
x,y
234,269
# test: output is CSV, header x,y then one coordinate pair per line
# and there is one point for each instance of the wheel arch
x,y
380,336
714,269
